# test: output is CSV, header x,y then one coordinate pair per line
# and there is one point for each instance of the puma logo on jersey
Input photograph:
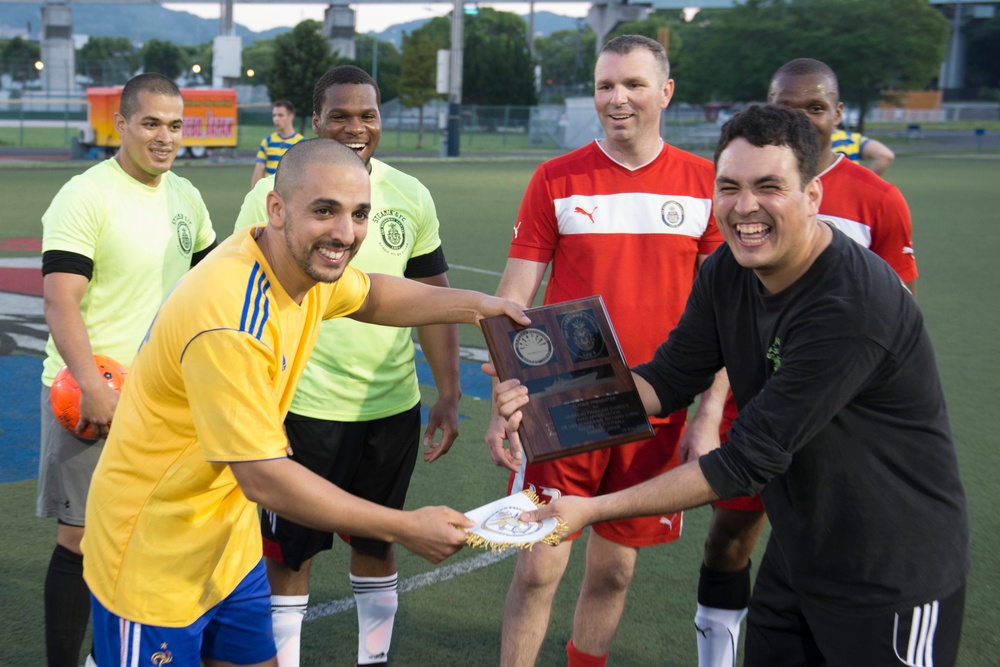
x,y
582,211
668,521
516,228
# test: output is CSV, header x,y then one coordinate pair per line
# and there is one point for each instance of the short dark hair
x,y
625,44
150,82
342,74
775,126
289,107
806,67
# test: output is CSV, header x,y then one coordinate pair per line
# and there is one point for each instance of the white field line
x,y
418,581
475,269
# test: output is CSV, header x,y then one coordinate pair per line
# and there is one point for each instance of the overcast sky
x,y
370,17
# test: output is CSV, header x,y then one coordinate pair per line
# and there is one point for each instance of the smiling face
x,y
815,95
767,218
350,115
150,136
630,92
323,221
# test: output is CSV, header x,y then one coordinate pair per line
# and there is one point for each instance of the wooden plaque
x,y
582,393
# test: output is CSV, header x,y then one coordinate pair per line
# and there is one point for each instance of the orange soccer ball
x,y
64,397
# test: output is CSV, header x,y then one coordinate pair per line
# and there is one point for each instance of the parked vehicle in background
x,y
210,120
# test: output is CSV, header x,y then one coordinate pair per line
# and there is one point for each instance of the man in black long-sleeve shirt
x,y
842,424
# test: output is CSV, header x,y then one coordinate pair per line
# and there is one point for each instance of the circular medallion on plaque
x,y
583,335
533,346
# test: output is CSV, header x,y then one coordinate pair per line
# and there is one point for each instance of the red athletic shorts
x,y
603,471
742,503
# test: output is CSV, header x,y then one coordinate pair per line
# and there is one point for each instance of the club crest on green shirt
x,y
182,228
392,231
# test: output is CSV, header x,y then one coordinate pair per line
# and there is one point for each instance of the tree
x,y
419,74
20,57
386,68
201,55
872,46
567,58
497,67
732,53
258,57
162,57
107,61
300,58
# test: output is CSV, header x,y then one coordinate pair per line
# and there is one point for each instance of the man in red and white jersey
x,y
873,213
627,217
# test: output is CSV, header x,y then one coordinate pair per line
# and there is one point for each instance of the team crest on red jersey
x,y
672,214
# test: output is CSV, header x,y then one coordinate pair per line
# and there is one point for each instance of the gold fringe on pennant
x,y
552,539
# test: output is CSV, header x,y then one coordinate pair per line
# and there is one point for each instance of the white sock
x,y
287,612
718,632
377,601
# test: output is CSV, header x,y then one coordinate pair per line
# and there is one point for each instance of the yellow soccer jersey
x,y
848,143
140,239
169,532
358,371
273,147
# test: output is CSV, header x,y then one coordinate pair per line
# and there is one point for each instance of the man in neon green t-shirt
x,y
356,413
115,239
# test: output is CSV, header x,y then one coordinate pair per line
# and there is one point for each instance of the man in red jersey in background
x,y
628,217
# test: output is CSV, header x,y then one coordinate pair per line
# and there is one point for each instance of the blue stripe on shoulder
x,y
255,303
260,327
249,293
259,305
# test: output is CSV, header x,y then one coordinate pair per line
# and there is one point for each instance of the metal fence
x,y
34,118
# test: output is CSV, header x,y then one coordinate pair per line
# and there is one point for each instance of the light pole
x,y
455,80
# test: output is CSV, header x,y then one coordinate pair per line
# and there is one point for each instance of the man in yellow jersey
x,y
857,147
274,145
173,552
115,240
355,417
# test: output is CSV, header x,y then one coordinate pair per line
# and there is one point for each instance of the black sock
x,y
724,590
67,608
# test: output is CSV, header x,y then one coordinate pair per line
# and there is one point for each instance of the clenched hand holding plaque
x,y
582,393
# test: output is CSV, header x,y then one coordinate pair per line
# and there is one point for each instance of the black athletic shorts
x,y
785,630
372,460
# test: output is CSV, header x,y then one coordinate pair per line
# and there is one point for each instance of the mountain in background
x,y
141,23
